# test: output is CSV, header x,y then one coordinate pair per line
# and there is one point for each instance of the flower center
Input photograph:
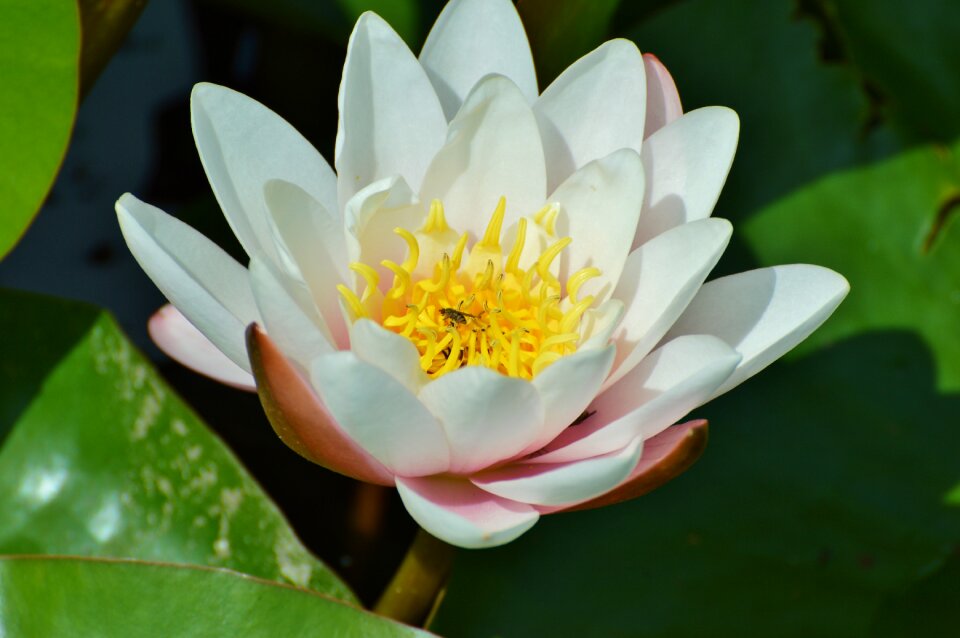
x,y
482,310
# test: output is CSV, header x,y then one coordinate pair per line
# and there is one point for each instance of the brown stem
x,y
419,584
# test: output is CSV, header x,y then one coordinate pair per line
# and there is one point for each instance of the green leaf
x,y
66,596
891,230
561,31
820,497
106,461
910,55
39,56
800,117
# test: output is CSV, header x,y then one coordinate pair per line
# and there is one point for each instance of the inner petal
x,y
478,305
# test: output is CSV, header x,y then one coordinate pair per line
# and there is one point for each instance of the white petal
x,y
493,149
177,337
472,39
455,511
197,276
600,205
687,163
561,483
678,377
763,313
391,122
659,280
380,414
312,238
392,353
243,144
567,387
595,107
487,416
289,316
369,219
663,100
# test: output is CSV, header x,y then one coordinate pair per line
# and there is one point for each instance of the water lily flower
x,y
497,302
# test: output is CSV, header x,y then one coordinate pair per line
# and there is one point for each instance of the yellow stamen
x,y
353,303
579,278
484,309
413,249
371,277
491,238
513,260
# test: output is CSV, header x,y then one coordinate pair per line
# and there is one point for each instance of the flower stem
x,y
417,588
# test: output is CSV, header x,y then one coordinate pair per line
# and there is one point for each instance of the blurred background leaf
x,y
892,231
104,460
908,55
113,599
39,58
561,32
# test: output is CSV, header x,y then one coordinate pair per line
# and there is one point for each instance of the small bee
x,y
455,316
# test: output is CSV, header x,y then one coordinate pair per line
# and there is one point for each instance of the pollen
x,y
479,306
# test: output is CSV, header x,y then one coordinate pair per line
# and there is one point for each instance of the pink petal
x,y
455,511
181,341
663,100
665,457
301,420
561,483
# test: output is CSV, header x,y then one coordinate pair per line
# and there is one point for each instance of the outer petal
x,y
561,483
389,351
472,39
663,100
671,382
288,315
243,144
595,107
665,457
311,244
391,122
455,511
659,280
567,387
301,420
601,202
380,414
177,337
207,285
687,163
763,313
493,149
487,416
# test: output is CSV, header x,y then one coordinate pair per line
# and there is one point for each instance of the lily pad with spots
x,y
104,460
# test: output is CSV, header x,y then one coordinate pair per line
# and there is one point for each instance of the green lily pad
x,y
560,31
891,230
39,59
63,596
105,460
820,499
